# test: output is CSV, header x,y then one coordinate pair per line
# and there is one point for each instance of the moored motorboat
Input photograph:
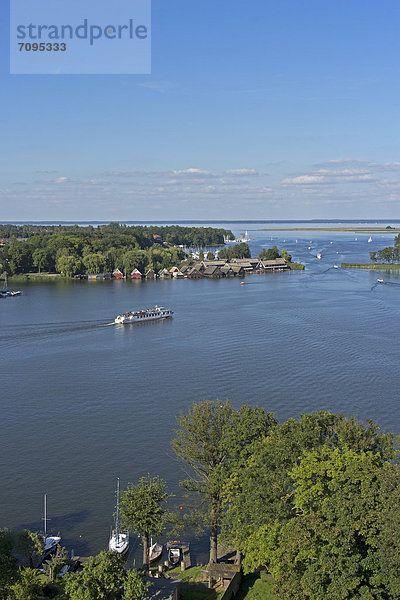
x,y
175,551
139,316
335,266
380,281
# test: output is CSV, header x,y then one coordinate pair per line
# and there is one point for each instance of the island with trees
x,y
386,258
310,505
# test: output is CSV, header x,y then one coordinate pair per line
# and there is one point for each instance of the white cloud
x,y
239,172
193,172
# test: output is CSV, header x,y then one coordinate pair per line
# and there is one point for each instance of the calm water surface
x,y
83,401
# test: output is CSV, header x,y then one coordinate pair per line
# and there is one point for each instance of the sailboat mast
x,y
116,520
45,514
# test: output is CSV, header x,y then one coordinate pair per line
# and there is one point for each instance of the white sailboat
x,y
50,541
119,540
369,239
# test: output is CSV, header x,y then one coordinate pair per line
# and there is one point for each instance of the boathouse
x,y
213,272
117,274
193,273
164,274
277,264
150,274
136,274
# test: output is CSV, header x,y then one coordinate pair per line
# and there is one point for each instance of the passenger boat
x,y
119,540
148,314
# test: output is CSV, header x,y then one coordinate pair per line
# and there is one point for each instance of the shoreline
x,y
371,266
344,229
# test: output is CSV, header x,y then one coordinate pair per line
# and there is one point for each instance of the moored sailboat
x,y
50,541
119,540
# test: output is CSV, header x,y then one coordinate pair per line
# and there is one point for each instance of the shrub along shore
x,y
372,266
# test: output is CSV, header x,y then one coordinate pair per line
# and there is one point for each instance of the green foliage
x,y
94,262
104,578
68,265
30,543
73,249
28,587
241,250
269,254
256,586
8,568
53,564
210,256
134,586
312,504
143,510
211,439
285,254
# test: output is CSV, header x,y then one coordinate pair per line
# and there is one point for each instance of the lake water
x,y
84,402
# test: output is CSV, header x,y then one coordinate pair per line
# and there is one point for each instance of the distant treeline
x,y
391,254
72,249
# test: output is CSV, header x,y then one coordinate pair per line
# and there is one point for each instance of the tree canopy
x,y
211,438
104,577
143,510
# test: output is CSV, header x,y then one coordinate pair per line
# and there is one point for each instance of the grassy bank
x,y
372,266
256,586
295,266
35,276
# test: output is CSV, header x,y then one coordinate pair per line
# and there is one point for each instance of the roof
x,y
211,269
242,261
276,261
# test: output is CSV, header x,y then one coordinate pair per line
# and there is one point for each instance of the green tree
x,y
104,578
285,254
259,492
201,255
210,256
30,543
134,586
20,258
135,259
331,548
143,511
8,567
68,265
211,438
270,254
55,562
94,262
41,259
28,587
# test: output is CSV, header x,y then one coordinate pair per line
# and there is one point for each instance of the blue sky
x,y
261,109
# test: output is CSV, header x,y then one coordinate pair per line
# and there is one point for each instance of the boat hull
x,y
142,316
119,543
